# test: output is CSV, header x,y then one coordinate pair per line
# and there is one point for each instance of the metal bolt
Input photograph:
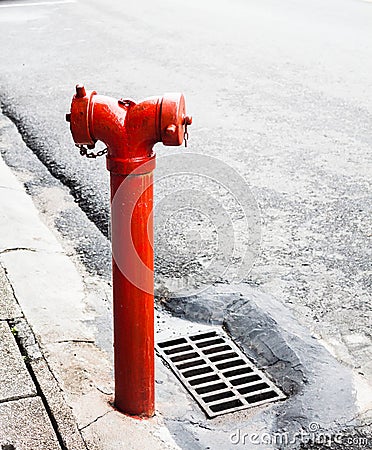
x,y
80,91
171,129
187,120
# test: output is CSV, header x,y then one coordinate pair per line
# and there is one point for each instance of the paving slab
x,y
25,425
51,294
28,233
9,308
15,381
63,416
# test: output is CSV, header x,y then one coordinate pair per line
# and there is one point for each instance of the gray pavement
x,y
24,421
25,424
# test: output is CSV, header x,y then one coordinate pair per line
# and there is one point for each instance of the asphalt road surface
x,y
280,94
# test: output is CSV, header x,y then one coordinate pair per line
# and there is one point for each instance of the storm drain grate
x,y
217,374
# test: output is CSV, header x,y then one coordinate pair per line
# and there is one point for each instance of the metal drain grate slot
x,y
172,351
261,397
217,374
221,348
223,356
233,373
252,387
187,365
225,407
198,337
208,343
184,357
216,397
172,343
211,388
244,380
195,372
229,364
203,380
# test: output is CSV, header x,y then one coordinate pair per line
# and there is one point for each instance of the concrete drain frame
x,y
217,373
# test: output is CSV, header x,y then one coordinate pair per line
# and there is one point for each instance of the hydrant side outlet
x,y
79,115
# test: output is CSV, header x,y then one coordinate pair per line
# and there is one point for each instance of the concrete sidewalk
x,y
33,412
25,418
55,383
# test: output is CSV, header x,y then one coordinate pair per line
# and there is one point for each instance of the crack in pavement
x,y
95,420
15,249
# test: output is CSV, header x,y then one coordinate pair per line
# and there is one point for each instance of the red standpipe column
x,y
133,292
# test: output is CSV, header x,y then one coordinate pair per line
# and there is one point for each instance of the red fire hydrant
x,y
129,130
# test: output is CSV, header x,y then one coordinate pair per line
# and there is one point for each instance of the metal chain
x,y
85,152
186,135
